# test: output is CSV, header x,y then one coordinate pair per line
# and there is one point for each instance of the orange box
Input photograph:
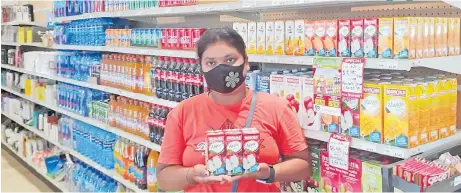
x,y
441,37
429,37
319,35
289,37
420,37
330,40
454,36
309,30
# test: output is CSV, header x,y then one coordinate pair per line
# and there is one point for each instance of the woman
x,y
224,62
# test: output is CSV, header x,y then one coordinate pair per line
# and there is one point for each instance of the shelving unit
x,y
22,23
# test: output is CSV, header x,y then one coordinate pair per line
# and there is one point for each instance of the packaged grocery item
x,y
330,41
401,37
370,37
251,141
452,85
351,180
233,159
443,105
329,176
309,30
299,38
261,38
372,178
454,34
263,82
441,36
312,183
215,153
270,39
252,39
310,120
357,37
434,111
279,38
424,110
344,38
294,88
371,112
320,32
277,84
244,33
236,27
386,38
420,37
289,37
429,37
350,117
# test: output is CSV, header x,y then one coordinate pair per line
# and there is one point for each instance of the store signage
x,y
352,77
338,151
327,62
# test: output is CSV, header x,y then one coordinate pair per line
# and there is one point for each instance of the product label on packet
x,y
215,153
233,152
329,177
251,141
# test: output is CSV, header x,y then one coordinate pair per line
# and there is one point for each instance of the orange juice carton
x,y
429,37
329,122
294,88
401,37
424,110
330,40
299,38
413,35
319,35
329,176
357,38
452,86
454,34
310,120
261,37
309,30
434,112
251,141
234,150
443,100
236,27
344,38
277,84
350,117
371,112
270,37
386,37
441,36
252,39
289,37
370,37
279,38
215,153
351,180
244,33
420,37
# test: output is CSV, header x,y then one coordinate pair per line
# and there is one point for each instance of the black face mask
x,y
225,78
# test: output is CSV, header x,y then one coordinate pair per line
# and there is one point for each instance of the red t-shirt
x,y
186,127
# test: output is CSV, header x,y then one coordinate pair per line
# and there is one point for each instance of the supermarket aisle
x,y
17,178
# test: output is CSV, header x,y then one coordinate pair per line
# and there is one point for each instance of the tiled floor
x,y
17,178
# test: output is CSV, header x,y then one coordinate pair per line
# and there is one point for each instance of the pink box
x,y
351,180
357,38
329,176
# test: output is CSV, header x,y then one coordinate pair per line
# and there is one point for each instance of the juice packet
x,y
401,37
299,38
386,38
309,30
370,37
344,38
357,38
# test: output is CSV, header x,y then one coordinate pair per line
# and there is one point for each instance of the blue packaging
x,y
263,82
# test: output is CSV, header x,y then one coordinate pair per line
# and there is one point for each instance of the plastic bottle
x,y
152,171
183,78
152,120
159,77
191,76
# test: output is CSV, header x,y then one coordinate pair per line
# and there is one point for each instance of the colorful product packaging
x,y
344,38
351,180
310,120
386,38
420,37
233,159
370,37
277,84
215,153
289,38
270,37
279,38
401,37
309,30
372,178
312,183
261,38
357,37
329,176
294,88
452,85
263,82
429,37
320,32
434,111
441,36
299,38
371,112
252,39
251,141
424,111
330,40
244,33
454,34
350,117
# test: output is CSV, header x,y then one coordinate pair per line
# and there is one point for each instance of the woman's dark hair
x,y
228,35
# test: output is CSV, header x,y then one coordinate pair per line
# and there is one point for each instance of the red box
x,y
196,34
165,33
181,34
174,38
162,3
186,43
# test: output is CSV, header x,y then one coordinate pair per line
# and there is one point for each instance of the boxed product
x,y
441,36
251,141
429,37
372,178
279,38
270,39
261,38
357,38
312,183
452,85
237,27
263,82
371,112
413,35
309,30
420,37
350,117
329,176
370,37
294,88
319,36
424,111
434,129
330,41
386,38
289,37
344,38
215,153
310,120
299,38
454,34
252,39
351,179
233,159
244,33
401,37
277,84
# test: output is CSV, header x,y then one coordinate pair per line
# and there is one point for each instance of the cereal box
x,y
351,180
350,117
329,177
401,37
244,33
386,37
371,112
454,34
429,37
344,38
270,37
357,37
320,30
441,36
412,37
252,39
330,41
309,30
289,37
279,38
294,88
370,37
420,37
277,84
261,38
372,178
233,143
215,153
251,141
310,120
299,38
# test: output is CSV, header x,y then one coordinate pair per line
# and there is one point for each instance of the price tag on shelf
x,y
352,77
338,151
271,60
388,64
169,10
398,154
371,147
248,3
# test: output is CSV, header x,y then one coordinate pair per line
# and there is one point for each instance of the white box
x,y
294,88
244,32
279,38
277,84
252,31
270,37
261,38
310,120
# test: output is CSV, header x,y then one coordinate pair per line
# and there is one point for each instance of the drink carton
x,y
350,117
233,143
357,38
270,37
320,32
412,37
330,41
443,98
244,33
309,30
294,88
299,38
371,112
289,37
251,140
441,36
237,27
401,37
279,38
310,120
454,36
277,84
344,38
386,37
424,111
434,105
372,178
351,180
420,37
329,176
252,39
261,38
215,153
413,115
429,37
370,37
452,86
312,183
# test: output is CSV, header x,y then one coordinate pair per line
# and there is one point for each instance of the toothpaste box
x,y
401,37
270,39
294,88
454,34
344,38
330,41
289,37
279,38
252,31
428,37
299,38
233,159
357,38
261,38
277,84
351,180
370,37
309,30
320,32
329,176
441,36
215,153
263,82
386,37
310,120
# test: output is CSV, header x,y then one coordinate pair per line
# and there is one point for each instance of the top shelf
x,y
22,23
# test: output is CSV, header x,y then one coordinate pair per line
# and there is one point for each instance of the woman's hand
x,y
200,175
262,173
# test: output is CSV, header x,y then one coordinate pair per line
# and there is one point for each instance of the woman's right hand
x,y
200,175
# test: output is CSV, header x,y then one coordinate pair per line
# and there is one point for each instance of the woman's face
x,y
222,53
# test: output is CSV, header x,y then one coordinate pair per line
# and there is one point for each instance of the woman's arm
x,y
295,167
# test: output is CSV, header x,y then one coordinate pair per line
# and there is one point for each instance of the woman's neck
x,y
231,98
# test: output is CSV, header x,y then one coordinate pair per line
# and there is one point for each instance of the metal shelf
x,y
34,44
22,23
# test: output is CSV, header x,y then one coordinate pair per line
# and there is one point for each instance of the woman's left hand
x,y
262,173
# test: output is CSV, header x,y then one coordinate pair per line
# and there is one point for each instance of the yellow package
x,y
386,37
29,35
420,37
244,33
27,88
454,36
452,86
434,111
21,36
424,110
429,37
270,37
299,38
261,37
251,48
279,38
443,100
371,112
289,37
401,37
413,33
441,36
